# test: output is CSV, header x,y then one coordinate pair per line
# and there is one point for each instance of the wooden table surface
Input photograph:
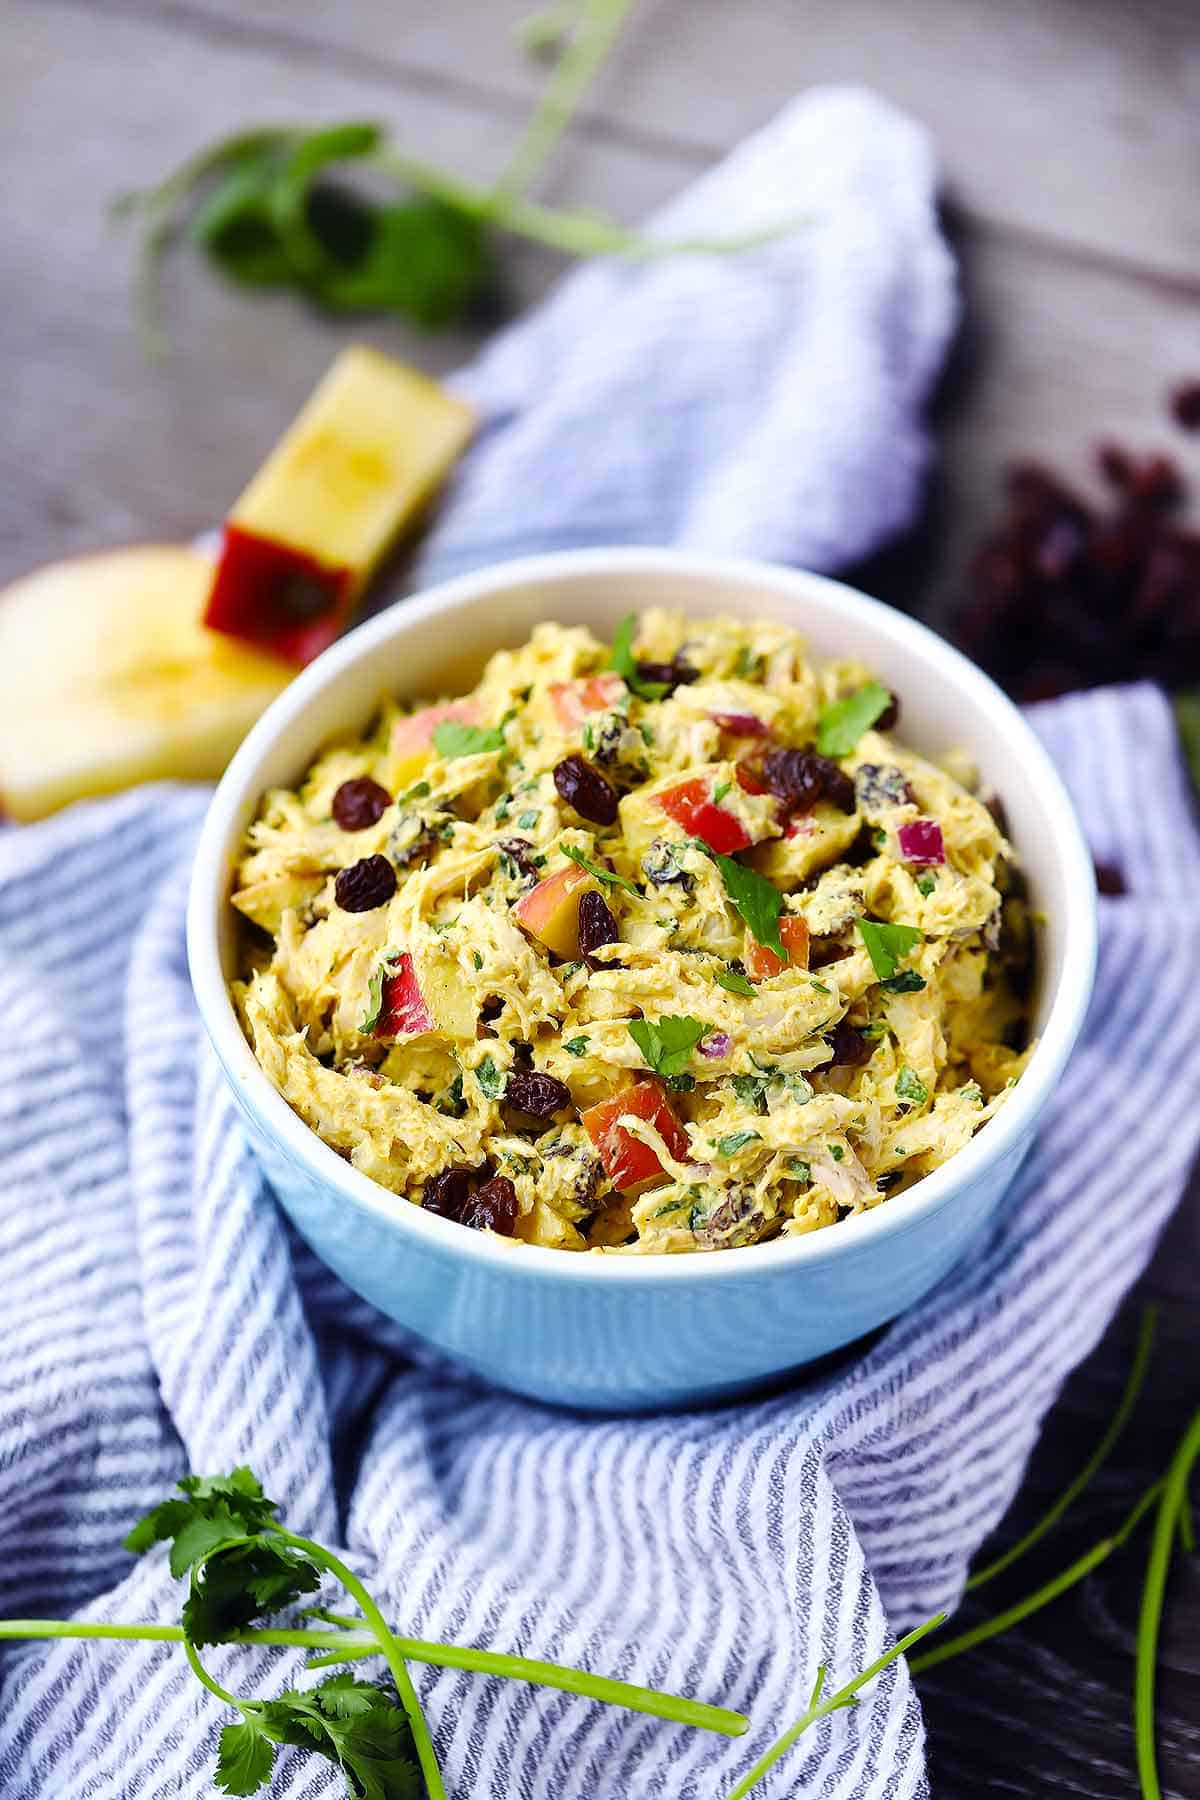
x,y
1070,131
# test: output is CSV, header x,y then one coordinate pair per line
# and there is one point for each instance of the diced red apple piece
x,y
761,962
409,1009
412,738
277,597
749,779
550,911
574,700
691,805
628,1162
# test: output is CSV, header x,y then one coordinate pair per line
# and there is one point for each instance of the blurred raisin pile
x,y
1068,595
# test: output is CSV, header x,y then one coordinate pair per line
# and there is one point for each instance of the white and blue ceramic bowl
x,y
638,1332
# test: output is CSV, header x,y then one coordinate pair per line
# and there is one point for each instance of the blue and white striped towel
x,y
157,1316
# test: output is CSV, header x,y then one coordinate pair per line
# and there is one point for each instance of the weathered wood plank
x,y
1069,120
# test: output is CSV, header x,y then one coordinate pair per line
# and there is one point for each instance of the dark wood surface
x,y
1070,132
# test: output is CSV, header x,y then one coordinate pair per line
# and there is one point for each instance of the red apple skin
x,y
412,738
404,1012
276,598
574,700
550,911
691,805
761,962
627,1162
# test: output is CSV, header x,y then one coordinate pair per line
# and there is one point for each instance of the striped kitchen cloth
x,y
157,1315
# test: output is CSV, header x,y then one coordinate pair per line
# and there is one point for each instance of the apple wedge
x,y
549,912
108,678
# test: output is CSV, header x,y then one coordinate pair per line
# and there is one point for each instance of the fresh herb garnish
x,y
452,739
477,960
576,1046
735,1141
836,1151
842,723
887,945
604,876
909,1086
907,982
622,659
735,982
818,985
758,900
719,792
800,1169
751,1090
492,1080
370,1018
926,884
667,1044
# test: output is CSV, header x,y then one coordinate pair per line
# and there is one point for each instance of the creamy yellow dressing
x,y
779,1139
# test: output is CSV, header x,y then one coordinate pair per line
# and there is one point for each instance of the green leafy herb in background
x,y
667,1044
757,900
452,739
735,982
271,207
910,1087
842,724
605,877
622,659
887,945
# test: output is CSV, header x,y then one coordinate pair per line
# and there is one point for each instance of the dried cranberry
x,y
360,803
493,1208
848,1045
800,778
520,850
365,885
1185,405
536,1094
596,924
446,1194
585,788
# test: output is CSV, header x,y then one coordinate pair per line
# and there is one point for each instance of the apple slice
x,y
793,935
410,1006
108,678
627,1162
691,805
412,738
370,447
550,911
574,700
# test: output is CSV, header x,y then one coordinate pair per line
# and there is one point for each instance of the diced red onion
x,y
717,1043
742,724
921,842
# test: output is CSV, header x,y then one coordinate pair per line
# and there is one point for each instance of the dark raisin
x,y
360,803
538,1095
661,865
889,718
491,1009
520,850
825,950
585,788
800,778
1109,879
849,1046
879,786
1185,405
446,1194
596,924
669,675
493,1208
365,885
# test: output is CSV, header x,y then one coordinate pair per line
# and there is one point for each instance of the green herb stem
x,y
348,1646
1171,1505
388,1644
1042,1596
820,1709
1100,1455
598,29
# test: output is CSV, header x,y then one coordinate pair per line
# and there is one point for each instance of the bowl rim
x,y
208,893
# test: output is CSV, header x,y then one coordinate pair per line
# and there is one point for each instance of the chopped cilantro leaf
x,y
842,724
887,944
751,1090
622,659
604,876
720,791
748,665
451,739
836,1151
492,1081
528,820
799,1168
909,1086
420,790
758,900
819,985
907,982
926,884
370,1018
734,982
576,1046
477,960
737,1140
667,1044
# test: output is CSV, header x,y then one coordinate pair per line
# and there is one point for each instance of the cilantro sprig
x,y
843,722
887,945
622,659
757,900
667,1044
604,876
